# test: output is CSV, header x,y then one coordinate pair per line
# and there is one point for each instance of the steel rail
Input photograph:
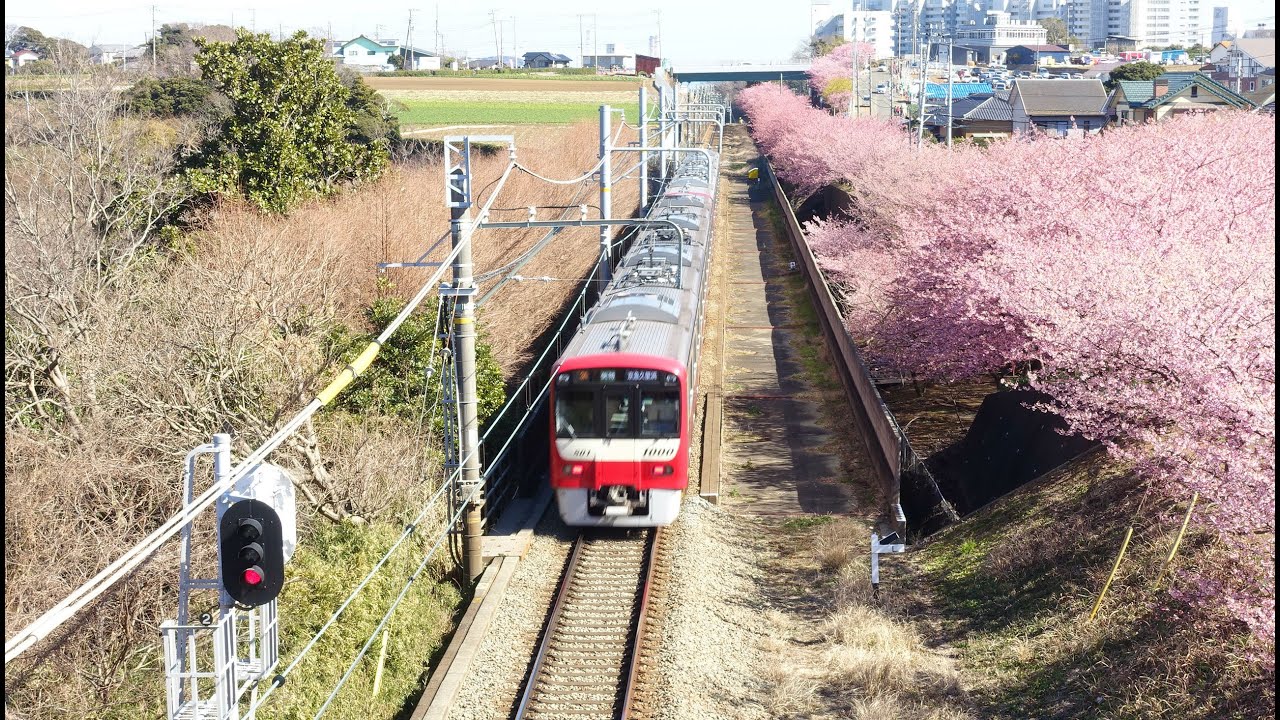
x,y
540,656
633,658
629,670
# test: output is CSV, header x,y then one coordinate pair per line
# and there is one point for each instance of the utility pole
x,y
581,56
855,98
660,56
515,49
437,38
497,44
951,76
464,329
595,38
644,145
606,187
923,81
153,38
408,43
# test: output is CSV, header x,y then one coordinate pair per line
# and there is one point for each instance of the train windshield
x,y
659,414
622,403
576,414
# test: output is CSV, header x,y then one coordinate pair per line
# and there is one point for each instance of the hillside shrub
x,y
335,558
405,380
291,133
167,97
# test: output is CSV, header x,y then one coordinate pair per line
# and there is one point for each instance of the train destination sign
x,y
617,375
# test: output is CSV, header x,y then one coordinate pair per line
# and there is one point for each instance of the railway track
x,y
585,665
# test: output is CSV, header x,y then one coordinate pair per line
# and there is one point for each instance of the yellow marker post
x,y
382,662
1123,546
1174,551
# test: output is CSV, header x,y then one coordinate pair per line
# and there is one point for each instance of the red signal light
x,y
252,576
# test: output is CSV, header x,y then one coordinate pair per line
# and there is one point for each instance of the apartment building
x,y
1130,23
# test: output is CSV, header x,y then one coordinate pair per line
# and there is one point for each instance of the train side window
x,y
617,413
575,414
659,414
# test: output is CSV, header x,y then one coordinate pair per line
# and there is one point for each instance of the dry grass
x,y
834,544
398,217
1017,580
229,334
873,652
866,660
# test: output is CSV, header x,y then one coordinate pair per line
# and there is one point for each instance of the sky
x,y
692,31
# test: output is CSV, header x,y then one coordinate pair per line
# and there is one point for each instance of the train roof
x,y
649,307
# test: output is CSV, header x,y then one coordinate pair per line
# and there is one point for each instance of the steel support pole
x,y
606,187
675,108
662,133
464,330
644,144
951,77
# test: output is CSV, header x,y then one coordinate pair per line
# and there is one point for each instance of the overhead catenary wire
x,y
462,506
135,556
410,529
585,176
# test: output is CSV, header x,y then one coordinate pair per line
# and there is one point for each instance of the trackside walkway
x,y
778,455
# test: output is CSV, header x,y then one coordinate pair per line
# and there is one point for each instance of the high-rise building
x,y
1221,25
874,27
1097,23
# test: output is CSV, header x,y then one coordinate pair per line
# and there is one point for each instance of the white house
x,y
613,57
21,57
365,53
124,55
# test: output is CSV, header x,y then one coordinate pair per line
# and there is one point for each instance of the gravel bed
x,y
494,678
711,657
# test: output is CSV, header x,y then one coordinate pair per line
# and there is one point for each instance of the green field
x,y
491,74
437,112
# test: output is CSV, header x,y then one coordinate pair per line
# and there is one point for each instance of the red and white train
x,y
623,394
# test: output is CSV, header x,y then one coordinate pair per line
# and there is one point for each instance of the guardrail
x,y
890,451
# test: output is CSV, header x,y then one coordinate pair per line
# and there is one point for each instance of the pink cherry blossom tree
x,y
831,75
1135,269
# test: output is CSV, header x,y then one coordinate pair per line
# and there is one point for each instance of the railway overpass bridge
x,y
739,73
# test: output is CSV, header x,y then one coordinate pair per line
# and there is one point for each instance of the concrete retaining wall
x,y
891,453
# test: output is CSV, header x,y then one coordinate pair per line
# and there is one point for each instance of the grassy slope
x,y
1011,588
430,112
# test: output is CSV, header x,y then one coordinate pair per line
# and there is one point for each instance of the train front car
x,y
622,397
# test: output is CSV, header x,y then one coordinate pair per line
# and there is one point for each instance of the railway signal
x,y
251,553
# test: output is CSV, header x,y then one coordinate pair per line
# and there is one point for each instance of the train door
x,y
620,463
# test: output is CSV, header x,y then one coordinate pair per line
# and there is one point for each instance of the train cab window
x,y
575,414
659,414
617,413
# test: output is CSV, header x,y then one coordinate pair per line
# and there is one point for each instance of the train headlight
x,y
661,470
574,469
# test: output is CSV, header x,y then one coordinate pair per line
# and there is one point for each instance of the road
x,y
881,104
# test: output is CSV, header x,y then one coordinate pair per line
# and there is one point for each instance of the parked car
x,y
1023,74
999,85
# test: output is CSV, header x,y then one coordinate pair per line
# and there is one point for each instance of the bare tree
x,y
87,190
